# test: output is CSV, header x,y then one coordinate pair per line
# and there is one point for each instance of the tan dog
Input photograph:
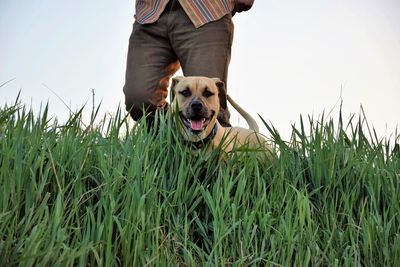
x,y
196,101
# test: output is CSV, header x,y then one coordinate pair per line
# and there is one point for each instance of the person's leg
x,y
151,63
205,51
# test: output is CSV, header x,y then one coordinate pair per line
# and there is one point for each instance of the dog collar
x,y
205,141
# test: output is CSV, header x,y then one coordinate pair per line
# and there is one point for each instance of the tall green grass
x,y
75,195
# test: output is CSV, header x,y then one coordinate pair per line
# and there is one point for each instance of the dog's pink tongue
x,y
197,125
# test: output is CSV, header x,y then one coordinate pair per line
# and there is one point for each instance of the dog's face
x,y
197,101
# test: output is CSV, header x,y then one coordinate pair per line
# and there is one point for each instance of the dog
x,y
196,102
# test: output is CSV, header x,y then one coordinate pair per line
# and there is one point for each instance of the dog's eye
x,y
207,93
186,92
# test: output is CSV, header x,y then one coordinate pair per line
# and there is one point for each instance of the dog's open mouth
x,y
195,124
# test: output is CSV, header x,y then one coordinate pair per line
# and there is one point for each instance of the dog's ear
x,y
221,92
174,82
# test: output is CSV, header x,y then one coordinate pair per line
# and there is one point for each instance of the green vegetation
x,y
72,195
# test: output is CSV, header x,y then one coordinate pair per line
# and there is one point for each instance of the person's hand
x,y
243,5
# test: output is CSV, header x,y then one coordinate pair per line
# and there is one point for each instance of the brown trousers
x,y
157,50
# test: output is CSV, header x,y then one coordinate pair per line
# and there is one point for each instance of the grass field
x,y
75,195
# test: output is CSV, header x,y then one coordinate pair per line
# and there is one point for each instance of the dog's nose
x,y
196,105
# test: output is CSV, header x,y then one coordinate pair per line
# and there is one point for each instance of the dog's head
x,y
196,102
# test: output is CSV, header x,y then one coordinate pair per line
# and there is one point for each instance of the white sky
x,y
289,57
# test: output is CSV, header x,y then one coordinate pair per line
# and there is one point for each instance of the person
x,y
169,34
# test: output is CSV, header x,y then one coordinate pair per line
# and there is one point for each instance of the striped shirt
x,y
200,12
